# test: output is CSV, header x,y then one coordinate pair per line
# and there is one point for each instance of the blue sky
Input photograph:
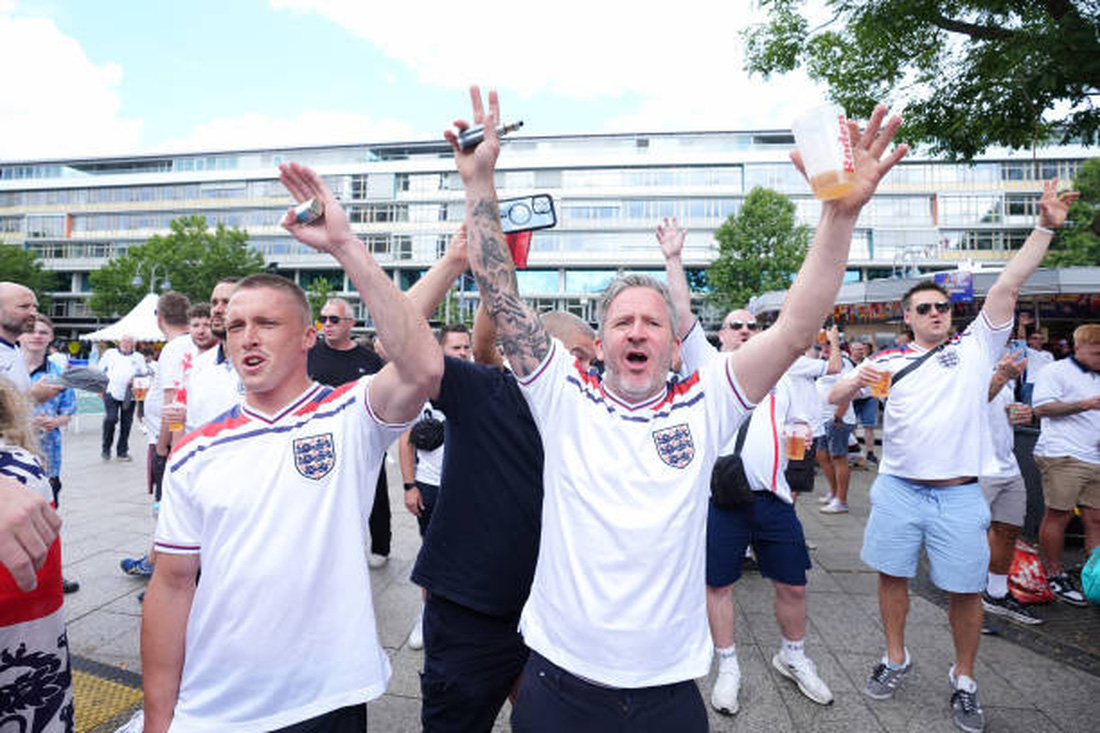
x,y
119,76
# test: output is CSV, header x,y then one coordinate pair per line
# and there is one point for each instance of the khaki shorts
x,y
1068,482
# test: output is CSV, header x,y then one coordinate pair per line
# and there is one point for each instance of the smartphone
x,y
527,213
1018,347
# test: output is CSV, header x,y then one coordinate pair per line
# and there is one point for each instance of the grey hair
x,y
634,280
341,301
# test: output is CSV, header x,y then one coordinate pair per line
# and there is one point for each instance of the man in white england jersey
x,y
616,618
273,497
925,494
766,519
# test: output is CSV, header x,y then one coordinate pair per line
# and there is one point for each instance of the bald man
x,y
18,310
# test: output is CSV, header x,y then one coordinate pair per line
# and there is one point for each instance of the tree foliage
x,y
969,73
1078,241
759,249
320,291
192,257
22,266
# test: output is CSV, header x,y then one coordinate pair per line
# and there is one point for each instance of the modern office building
x,y
610,190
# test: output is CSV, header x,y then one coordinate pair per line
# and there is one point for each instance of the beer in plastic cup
x,y
140,386
181,398
881,388
796,436
821,135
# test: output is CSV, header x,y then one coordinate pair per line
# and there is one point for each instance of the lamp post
x,y
138,281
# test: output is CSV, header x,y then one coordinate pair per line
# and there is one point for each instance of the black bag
x,y
800,473
427,434
729,487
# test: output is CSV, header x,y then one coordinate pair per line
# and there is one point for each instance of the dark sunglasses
x,y
925,308
738,325
331,319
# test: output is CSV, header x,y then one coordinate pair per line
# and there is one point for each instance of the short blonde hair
x,y
16,427
1087,335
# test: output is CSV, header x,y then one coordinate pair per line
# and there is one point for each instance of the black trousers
x,y
381,533
121,413
352,719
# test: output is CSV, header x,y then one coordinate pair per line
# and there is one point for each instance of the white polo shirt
x,y
1000,461
176,359
282,627
1037,361
213,387
13,367
619,590
120,369
936,417
1076,436
763,455
803,376
429,463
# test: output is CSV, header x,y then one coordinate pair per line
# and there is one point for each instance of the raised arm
x,y
485,339
760,362
671,237
1001,300
429,291
525,341
416,361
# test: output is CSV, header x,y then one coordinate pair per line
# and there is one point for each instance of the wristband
x,y
1048,230
410,485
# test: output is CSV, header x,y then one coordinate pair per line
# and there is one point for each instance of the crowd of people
x,y
586,498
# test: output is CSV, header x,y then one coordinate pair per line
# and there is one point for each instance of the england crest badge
x,y
674,445
314,456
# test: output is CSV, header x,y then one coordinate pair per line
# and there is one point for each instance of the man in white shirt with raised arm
x,y
927,490
616,617
274,497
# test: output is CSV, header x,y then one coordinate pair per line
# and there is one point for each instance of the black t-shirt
x,y
335,367
484,540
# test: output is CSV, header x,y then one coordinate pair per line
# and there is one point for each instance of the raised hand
x,y
1010,366
868,146
671,237
1054,206
329,233
476,164
456,250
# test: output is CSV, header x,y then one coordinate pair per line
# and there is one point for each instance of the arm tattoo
x,y
521,333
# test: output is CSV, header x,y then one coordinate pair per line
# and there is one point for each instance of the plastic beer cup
x,y
796,435
821,135
881,388
140,385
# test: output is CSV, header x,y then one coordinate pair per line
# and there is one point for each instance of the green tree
x,y
759,249
970,73
1078,241
192,257
22,266
319,293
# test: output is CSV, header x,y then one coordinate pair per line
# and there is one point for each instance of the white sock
x,y
794,648
997,585
891,665
727,658
962,682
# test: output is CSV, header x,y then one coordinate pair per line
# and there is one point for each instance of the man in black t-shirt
x,y
338,360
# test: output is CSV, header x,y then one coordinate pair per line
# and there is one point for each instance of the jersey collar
x,y
288,409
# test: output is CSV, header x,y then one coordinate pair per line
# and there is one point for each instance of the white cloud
x,y
683,60
308,127
56,101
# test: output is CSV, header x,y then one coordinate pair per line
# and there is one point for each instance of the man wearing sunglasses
x,y
737,328
927,491
335,361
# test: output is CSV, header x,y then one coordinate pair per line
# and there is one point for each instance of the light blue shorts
x,y
950,522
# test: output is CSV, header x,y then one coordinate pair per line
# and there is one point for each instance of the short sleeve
x,y
542,387
179,526
1048,387
808,368
384,433
993,339
695,350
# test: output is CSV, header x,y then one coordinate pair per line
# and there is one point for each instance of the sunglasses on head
x,y
925,308
331,319
738,325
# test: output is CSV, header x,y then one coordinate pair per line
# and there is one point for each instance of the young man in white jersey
x,y
274,497
616,618
925,495
768,522
212,386
1067,401
1004,489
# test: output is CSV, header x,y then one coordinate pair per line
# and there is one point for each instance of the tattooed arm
x,y
525,341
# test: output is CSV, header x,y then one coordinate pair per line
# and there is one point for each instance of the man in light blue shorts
x,y
927,490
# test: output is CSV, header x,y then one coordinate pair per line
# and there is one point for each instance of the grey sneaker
x,y
1063,589
884,680
965,710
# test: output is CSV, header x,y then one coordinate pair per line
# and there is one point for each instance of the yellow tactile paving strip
x,y
99,700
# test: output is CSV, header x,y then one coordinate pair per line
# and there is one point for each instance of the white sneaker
x,y
416,636
804,673
376,561
826,499
727,684
834,507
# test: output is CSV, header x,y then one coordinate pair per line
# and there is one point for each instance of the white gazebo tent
x,y
141,323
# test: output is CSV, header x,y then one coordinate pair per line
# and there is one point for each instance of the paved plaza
x,y
1028,682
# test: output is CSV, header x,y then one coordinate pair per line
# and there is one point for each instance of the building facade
x,y
610,191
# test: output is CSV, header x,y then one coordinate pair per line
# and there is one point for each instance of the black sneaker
x,y
872,458
69,586
1009,607
1063,589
